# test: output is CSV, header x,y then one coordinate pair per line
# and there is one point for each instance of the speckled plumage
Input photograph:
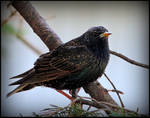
x,y
71,65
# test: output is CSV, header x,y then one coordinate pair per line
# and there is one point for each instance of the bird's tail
x,y
21,87
22,75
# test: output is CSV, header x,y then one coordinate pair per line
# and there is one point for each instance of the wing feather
x,y
60,63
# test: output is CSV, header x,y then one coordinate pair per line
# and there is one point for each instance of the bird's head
x,y
99,33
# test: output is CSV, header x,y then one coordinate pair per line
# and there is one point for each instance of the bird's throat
x,y
100,50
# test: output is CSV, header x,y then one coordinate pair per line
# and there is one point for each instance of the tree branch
x,y
98,92
37,23
115,89
103,105
129,60
9,17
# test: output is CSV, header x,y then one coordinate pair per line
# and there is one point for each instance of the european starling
x,y
71,65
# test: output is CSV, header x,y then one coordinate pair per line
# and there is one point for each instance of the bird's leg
x,y
72,92
65,94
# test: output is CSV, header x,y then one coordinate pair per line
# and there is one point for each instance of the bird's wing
x,y
61,62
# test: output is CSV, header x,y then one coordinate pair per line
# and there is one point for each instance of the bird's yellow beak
x,y
107,34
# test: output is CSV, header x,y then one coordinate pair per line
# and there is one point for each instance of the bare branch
x,y
114,89
129,60
9,17
38,24
100,105
94,104
98,92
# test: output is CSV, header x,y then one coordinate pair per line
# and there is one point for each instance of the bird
x,y
71,65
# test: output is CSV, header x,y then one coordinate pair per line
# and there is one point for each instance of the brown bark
x,y
41,28
37,23
98,92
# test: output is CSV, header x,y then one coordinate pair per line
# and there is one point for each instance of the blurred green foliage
x,y
9,29
74,110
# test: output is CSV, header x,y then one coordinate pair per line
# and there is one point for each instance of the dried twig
x,y
98,102
44,114
49,18
101,104
9,17
38,52
38,24
94,104
114,89
129,60
20,24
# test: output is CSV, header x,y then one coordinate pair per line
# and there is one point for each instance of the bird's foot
x,y
74,92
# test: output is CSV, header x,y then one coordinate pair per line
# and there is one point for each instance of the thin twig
x,y
114,89
100,104
28,44
9,17
94,104
89,108
49,18
129,60
38,24
20,24
50,113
